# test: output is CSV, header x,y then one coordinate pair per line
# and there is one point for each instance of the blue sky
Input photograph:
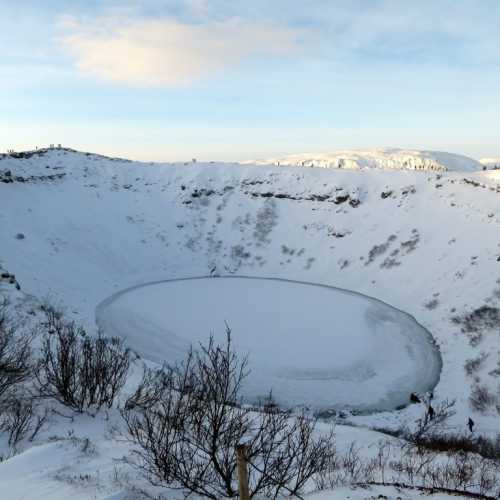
x,y
242,79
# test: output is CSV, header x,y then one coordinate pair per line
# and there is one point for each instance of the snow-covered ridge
x,y
386,158
383,158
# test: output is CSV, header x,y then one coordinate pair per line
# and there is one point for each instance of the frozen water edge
x,y
311,344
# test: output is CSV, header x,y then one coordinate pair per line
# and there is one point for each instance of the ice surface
x,y
312,345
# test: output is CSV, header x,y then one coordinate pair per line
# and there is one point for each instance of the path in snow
x,y
313,345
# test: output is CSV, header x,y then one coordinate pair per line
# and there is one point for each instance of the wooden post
x,y
241,461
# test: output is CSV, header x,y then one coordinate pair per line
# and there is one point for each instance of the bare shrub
x,y
284,454
15,419
454,472
431,304
455,443
482,399
340,470
412,465
428,426
473,365
459,472
20,419
433,458
475,323
80,371
15,352
351,467
496,371
150,390
186,421
451,443
376,251
487,476
487,447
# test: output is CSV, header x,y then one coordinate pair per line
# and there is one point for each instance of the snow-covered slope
x,y
78,228
387,158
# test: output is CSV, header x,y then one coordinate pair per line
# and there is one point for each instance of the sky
x,y
244,79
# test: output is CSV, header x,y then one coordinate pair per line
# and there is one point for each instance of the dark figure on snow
x,y
470,424
414,398
430,412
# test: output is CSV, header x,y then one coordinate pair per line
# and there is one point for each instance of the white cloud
x,y
168,52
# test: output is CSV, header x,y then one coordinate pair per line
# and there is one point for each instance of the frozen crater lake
x,y
312,345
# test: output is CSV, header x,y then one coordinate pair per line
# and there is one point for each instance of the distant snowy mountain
x,y
490,162
387,158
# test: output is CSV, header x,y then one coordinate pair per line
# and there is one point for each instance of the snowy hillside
x,y
423,237
389,158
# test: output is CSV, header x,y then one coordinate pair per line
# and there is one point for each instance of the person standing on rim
x,y
470,424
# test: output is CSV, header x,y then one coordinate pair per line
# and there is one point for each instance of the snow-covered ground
x,y
376,493
310,345
78,228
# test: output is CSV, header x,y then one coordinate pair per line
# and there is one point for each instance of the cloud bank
x,y
168,52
